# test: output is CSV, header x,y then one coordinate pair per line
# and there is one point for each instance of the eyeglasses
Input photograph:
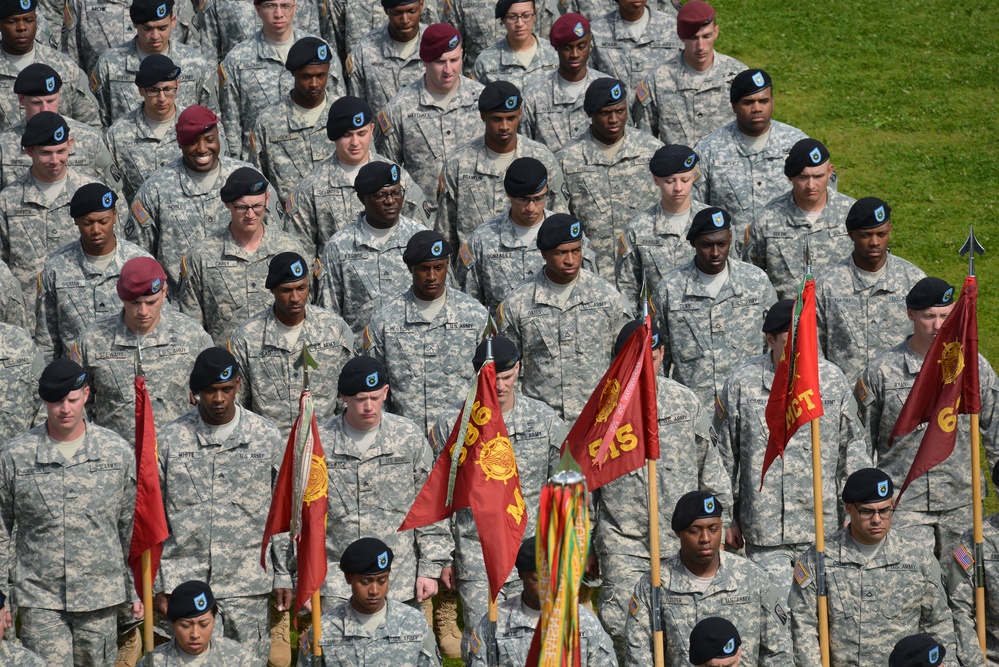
x,y
536,199
383,196
243,209
868,513
526,17
155,92
271,7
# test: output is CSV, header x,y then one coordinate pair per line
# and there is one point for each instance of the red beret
x,y
194,121
437,40
140,276
568,28
692,17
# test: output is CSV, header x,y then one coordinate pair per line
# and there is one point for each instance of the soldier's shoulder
x,y
256,321
186,328
110,442
230,649
273,116
905,268
100,331
786,135
537,409
777,210
749,274
596,285
405,619
642,141
751,577
716,139
64,255
168,434
163,178
465,303
113,56
402,425
130,250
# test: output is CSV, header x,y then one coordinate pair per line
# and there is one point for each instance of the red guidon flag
x,y
618,428
486,480
300,502
794,395
947,385
149,527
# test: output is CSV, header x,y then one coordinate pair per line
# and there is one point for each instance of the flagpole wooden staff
x,y
970,248
307,361
147,561
492,648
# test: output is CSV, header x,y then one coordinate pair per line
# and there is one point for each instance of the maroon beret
x,y
692,17
140,276
194,121
437,40
568,28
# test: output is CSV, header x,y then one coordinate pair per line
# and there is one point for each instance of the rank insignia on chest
x,y
964,557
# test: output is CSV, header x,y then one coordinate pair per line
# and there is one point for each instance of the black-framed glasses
x,y
383,196
868,512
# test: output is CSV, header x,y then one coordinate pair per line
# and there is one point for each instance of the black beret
x,y
672,159
868,213
147,11
14,7
374,176
368,555
603,92
778,319
361,374
713,638
3,600
214,365
525,176
426,246
45,128
388,4
92,198
708,221
37,79
557,229
155,68
929,292
346,114
917,651
629,328
503,6
286,267
500,96
242,182
505,354
693,506
59,378
748,82
308,51
190,600
805,153
868,485
526,560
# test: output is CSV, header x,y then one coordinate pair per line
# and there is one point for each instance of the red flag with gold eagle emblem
x,y
300,502
618,428
947,385
486,480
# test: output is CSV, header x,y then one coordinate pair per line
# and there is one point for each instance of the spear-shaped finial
x,y
971,248
305,362
646,295
807,257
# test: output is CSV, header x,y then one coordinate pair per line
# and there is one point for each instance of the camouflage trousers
x,y
620,574
247,621
939,531
475,603
71,639
779,562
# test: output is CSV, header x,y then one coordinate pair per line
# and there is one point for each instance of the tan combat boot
x,y
129,648
446,624
280,623
586,597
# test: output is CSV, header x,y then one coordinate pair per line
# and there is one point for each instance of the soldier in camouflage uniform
x,y
88,155
12,654
686,97
502,252
937,507
20,366
325,201
113,78
361,266
599,7
289,138
564,321
699,581
518,56
218,464
775,523
860,301
89,29
191,611
377,464
630,42
536,434
470,190
425,335
553,104
269,346
253,76
654,243
881,584
166,341
741,162
34,209
602,168
711,308
812,213
475,20
620,508
11,299
73,525
368,629
224,24
430,118
179,204
355,19
223,275
18,29
518,616
387,58
76,286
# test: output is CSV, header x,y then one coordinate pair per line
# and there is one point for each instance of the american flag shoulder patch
x,y
801,574
366,339
642,93
139,211
860,389
964,557
383,122
464,254
622,245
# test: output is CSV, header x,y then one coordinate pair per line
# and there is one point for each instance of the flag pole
x,y
147,561
972,247
492,648
307,362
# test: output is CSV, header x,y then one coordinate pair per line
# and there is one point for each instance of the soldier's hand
x,y
426,588
138,611
284,598
448,578
733,537
592,566
6,620
160,602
